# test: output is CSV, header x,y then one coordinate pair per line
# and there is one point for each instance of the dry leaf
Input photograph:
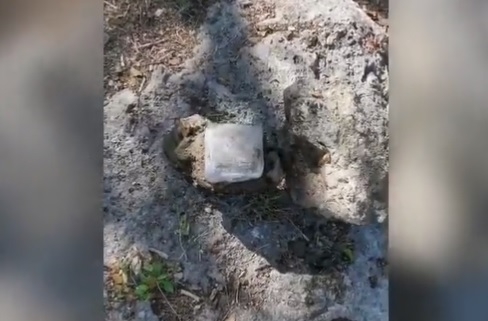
x,y
135,72
231,317
175,61
124,277
118,279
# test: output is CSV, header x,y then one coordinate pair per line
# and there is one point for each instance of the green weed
x,y
154,277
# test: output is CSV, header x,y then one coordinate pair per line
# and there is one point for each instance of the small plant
x,y
154,277
184,226
348,254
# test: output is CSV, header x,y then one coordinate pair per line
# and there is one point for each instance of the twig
x,y
161,254
110,4
229,316
143,82
182,247
237,290
225,315
147,45
132,278
199,236
179,37
156,62
122,61
135,45
262,267
190,295
126,11
304,236
167,301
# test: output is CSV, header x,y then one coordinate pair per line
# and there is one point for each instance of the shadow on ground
x,y
291,239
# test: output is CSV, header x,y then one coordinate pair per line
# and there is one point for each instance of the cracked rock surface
x,y
314,73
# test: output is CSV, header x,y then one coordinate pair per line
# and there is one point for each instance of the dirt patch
x,y
143,33
378,10
184,307
256,13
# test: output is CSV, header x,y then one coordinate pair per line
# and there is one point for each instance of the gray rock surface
x,y
335,95
291,268
340,144
340,78
144,312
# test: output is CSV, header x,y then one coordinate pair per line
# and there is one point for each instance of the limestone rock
x,y
337,149
144,312
332,76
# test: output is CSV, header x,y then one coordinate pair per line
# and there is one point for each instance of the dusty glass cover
x,y
233,152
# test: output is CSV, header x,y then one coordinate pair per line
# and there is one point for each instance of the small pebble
x,y
178,276
159,12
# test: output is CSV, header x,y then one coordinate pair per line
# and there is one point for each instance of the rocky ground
x,y
176,252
